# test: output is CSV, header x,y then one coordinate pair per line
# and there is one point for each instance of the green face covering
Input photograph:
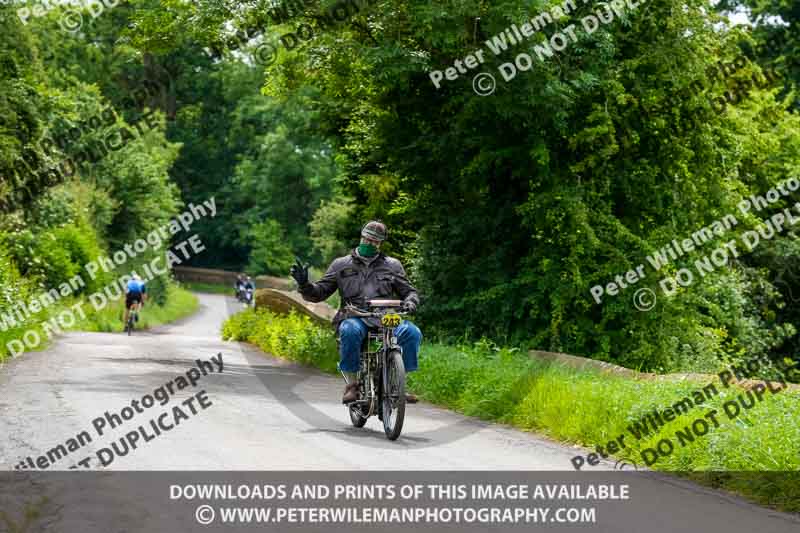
x,y
367,250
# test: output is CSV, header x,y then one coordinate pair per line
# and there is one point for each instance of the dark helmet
x,y
374,229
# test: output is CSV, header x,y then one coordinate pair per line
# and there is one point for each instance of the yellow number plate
x,y
391,321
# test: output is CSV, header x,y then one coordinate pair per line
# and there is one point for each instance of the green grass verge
x,y
292,336
211,288
16,334
756,454
180,304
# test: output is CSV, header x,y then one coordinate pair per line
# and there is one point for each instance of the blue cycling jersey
x,y
136,287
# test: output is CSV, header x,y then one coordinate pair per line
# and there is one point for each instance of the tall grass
x,y
291,336
17,334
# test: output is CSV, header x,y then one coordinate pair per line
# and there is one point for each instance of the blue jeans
x,y
353,331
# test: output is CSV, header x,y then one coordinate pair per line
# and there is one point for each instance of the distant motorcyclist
x,y
239,285
363,275
247,291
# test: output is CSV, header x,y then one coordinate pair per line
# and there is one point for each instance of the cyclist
x,y
135,295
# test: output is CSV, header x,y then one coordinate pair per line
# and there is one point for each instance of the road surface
x,y
267,413
264,414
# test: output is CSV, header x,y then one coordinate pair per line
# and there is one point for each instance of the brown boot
x,y
411,398
350,393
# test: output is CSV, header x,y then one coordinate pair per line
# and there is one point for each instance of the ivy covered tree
x,y
517,203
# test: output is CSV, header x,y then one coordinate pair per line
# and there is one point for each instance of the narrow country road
x,y
267,414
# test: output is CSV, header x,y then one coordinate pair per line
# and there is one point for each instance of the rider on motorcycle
x,y
363,275
239,285
135,295
247,291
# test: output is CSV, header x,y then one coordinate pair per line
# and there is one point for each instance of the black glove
x,y
409,307
299,272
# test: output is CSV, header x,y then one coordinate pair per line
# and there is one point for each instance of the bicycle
x,y
382,375
133,317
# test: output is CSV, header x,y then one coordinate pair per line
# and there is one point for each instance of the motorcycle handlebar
x,y
370,314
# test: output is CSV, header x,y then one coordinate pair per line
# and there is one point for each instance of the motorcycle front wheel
x,y
394,395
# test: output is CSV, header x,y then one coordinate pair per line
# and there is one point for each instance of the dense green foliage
x,y
777,38
83,173
509,208
524,200
506,209
578,406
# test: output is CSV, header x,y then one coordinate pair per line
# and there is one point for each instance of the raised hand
x,y
299,272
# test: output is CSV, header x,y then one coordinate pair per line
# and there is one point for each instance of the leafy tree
x,y
332,230
776,42
566,176
285,172
270,252
25,105
507,208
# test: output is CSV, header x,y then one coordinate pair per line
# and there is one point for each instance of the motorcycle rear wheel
x,y
357,418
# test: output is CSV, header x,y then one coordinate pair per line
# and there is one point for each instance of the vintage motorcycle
x,y
247,296
244,295
382,376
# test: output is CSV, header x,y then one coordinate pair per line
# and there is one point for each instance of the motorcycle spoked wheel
x,y
394,396
357,417
359,411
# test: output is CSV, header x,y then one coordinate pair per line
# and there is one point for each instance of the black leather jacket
x,y
359,281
